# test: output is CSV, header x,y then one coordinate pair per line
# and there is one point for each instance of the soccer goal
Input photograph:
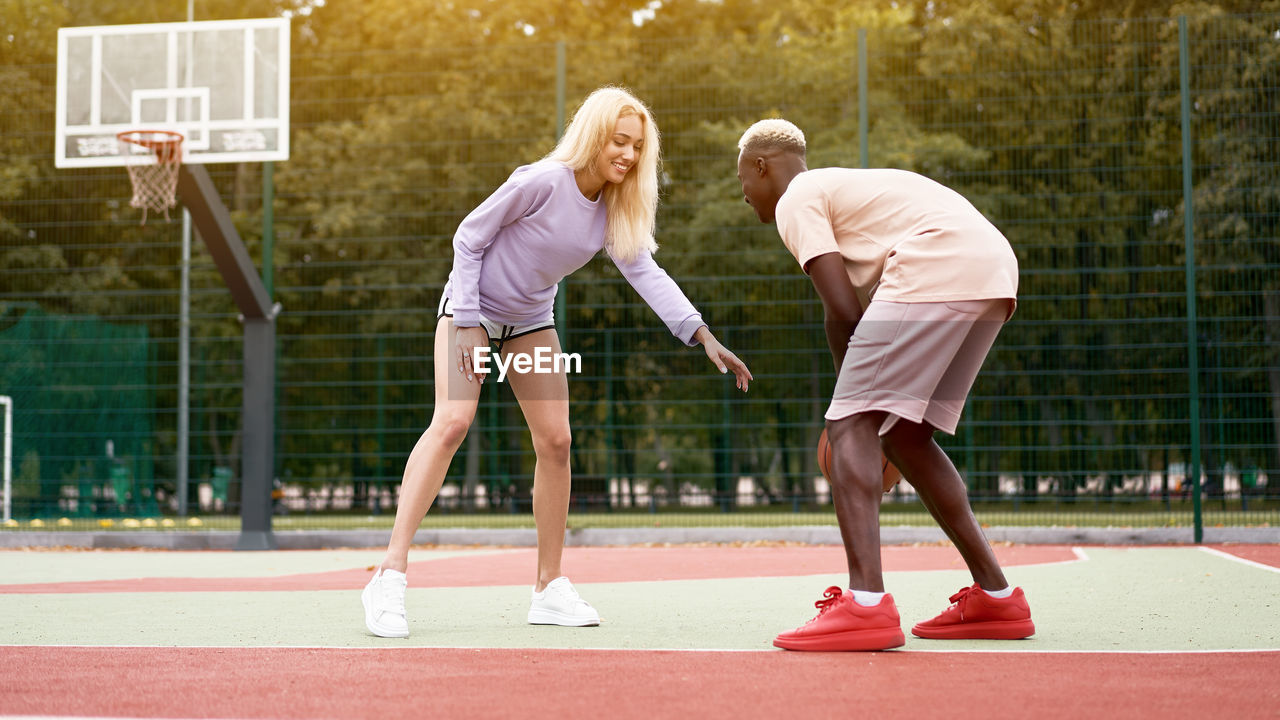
x,y
7,402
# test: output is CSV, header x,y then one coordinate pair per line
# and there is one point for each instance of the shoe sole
x,y
550,617
849,640
374,627
989,630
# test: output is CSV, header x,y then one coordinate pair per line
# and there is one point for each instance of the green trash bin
x,y
122,484
220,483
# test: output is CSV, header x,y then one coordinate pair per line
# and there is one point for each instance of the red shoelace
x,y
958,600
830,597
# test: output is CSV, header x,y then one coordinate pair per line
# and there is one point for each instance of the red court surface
x,y
588,564
926,680
300,683
1262,554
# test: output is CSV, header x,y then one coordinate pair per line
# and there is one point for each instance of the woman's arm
x,y
510,202
662,294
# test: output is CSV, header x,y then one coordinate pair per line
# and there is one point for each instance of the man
x,y
915,284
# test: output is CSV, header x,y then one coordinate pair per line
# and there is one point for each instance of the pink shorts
x,y
916,361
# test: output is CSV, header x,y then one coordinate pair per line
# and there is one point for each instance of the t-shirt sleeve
x,y
510,202
804,222
662,294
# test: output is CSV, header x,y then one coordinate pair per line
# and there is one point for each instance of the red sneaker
x,y
975,615
843,624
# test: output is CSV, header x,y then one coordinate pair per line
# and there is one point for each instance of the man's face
x,y
756,186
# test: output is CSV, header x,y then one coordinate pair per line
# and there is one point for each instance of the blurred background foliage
x,y
1060,120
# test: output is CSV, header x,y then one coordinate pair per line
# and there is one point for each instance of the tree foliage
x,y
1059,120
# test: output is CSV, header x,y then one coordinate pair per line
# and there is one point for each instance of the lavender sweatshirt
x,y
512,250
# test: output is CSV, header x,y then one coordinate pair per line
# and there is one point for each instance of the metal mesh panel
x,y
1066,134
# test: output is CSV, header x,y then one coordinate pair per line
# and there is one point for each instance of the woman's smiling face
x,y
621,150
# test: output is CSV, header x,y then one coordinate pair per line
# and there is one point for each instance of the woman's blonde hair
x,y
633,203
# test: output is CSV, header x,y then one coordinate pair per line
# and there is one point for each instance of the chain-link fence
x,y
1142,354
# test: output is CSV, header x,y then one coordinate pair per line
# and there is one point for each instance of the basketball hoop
x,y
155,184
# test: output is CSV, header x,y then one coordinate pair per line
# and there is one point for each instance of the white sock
x,y
866,598
1006,592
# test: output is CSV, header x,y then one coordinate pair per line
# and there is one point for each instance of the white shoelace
x,y
569,593
390,594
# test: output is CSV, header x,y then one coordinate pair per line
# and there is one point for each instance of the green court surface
x,y
1169,599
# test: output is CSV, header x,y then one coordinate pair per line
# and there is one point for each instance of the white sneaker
x,y
559,604
383,600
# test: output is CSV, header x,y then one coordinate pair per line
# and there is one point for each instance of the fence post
x,y
1189,242
864,154
380,423
610,422
268,227
726,482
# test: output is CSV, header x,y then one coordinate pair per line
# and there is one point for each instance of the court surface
x,y
686,630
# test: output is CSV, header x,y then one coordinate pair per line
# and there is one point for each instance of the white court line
x,y
402,648
1080,556
1237,558
1233,651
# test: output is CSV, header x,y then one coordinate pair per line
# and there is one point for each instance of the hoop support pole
x,y
212,221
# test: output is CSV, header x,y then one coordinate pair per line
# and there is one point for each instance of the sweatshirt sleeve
x,y
662,294
511,201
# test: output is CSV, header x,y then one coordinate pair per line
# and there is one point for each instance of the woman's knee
x,y
451,428
553,445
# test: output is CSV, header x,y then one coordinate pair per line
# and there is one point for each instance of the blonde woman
x,y
597,190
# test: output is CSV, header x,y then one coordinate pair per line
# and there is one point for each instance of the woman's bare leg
x,y
544,400
424,472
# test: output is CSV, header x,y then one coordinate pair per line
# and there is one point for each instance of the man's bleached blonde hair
x,y
633,203
770,134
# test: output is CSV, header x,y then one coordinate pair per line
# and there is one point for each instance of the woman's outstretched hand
x,y
722,358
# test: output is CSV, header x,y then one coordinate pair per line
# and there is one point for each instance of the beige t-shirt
x,y
903,236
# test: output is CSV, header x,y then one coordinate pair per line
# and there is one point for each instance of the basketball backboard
x,y
224,85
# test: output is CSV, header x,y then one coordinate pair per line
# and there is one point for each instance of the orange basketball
x,y
891,475
824,455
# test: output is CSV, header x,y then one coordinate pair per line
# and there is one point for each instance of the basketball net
x,y
155,184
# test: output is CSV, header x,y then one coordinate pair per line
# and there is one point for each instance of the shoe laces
x,y
391,592
830,597
959,600
567,591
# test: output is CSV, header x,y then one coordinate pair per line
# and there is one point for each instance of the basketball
x,y
890,473
824,455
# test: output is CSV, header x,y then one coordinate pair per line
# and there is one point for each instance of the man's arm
x,y
839,301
